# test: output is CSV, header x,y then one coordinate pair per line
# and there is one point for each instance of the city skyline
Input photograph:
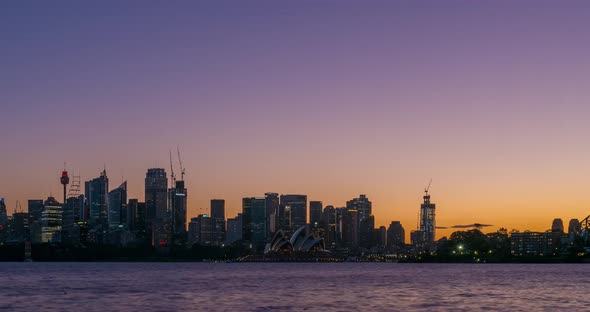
x,y
327,100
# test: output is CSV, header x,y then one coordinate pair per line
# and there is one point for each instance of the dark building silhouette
x,y
19,227
329,225
51,221
178,199
396,235
350,228
136,219
367,232
272,213
3,221
201,230
427,221
382,236
315,214
234,229
117,203
35,209
254,221
292,212
574,226
362,205
159,223
96,191
71,217
218,215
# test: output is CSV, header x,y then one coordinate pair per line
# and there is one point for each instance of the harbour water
x,y
292,287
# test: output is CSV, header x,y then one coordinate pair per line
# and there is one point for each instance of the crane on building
x,y
182,170
428,187
172,176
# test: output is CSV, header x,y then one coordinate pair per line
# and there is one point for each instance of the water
x,y
292,287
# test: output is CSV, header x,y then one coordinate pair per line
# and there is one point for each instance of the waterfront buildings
x,y
396,235
158,221
218,216
117,203
51,220
315,214
427,221
177,203
96,191
234,230
292,212
254,220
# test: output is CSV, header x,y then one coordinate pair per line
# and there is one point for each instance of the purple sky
x,y
325,98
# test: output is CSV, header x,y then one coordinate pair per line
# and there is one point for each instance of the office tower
x,y
396,235
51,219
366,231
315,214
178,206
234,230
557,226
136,214
159,223
70,217
427,220
96,191
329,224
350,227
218,215
3,221
254,220
117,203
362,205
292,212
19,227
272,213
201,230
156,184
35,209
382,236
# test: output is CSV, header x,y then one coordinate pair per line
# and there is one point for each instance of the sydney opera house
x,y
303,240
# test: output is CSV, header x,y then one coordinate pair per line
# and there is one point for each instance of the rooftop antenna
x,y
172,176
182,170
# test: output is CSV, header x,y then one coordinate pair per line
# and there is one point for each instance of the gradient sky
x,y
326,98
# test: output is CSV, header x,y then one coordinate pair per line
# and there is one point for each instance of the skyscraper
x,y
362,205
218,215
159,223
201,230
396,235
329,224
272,213
178,206
117,203
315,213
73,207
51,220
557,226
3,221
35,210
136,213
254,222
234,229
292,212
96,191
427,220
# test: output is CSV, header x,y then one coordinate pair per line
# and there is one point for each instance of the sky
x,y
331,99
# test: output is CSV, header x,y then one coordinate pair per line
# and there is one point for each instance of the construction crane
x,y
428,187
465,226
182,170
172,176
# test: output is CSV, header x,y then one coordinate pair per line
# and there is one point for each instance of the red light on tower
x,y
64,181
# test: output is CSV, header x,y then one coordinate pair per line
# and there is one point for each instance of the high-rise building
x,y
70,217
156,189
35,210
178,206
272,213
366,232
292,212
117,203
96,191
362,205
234,230
350,227
557,226
201,230
396,235
19,227
136,214
254,220
218,215
51,219
382,236
158,219
329,225
3,221
315,214
427,220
